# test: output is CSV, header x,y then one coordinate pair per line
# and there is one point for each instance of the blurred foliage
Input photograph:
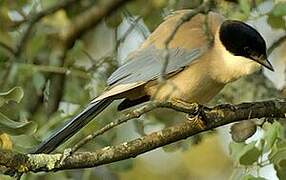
x,y
243,130
56,88
11,127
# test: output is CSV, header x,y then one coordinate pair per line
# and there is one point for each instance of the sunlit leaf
x,y
249,154
244,154
272,133
245,6
6,142
15,94
235,149
58,20
5,22
14,127
159,3
278,158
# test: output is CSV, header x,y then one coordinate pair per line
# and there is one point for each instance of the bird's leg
x,y
191,108
195,116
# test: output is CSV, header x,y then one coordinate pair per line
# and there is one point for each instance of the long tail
x,y
72,126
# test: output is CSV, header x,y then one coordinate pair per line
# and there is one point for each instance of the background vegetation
x,y
47,75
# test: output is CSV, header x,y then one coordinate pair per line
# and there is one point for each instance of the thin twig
x,y
134,23
37,17
186,17
57,70
139,27
204,8
89,19
7,48
276,44
108,58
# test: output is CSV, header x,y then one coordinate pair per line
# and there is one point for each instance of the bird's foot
x,y
197,120
192,108
195,114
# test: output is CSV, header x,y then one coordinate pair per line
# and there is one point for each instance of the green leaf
x,y
15,128
15,94
272,133
35,44
245,6
278,158
249,154
250,177
24,143
245,154
276,22
6,142
279,9
235,149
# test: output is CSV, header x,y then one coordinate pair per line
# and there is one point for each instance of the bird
x,y
196,69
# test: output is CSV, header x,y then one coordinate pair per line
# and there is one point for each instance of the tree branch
x,y
89,19
7,48
276,44
37,17
211,117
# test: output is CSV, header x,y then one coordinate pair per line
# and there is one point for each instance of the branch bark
x,y
206,119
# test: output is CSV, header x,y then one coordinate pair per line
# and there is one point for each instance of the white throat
x,y
228,67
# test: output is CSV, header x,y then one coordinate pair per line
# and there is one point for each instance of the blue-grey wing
x,y
147,65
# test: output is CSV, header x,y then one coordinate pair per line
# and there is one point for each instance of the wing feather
x,y
147,65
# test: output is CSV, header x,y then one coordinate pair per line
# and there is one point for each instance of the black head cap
x,y
241,39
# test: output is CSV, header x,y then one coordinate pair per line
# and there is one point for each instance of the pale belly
x,y
191,85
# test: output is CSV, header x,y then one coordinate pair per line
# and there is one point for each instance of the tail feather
x,y
72,126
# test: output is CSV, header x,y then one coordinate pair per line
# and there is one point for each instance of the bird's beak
x,y
264,62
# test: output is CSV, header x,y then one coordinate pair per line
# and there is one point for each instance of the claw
x,y
197,120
